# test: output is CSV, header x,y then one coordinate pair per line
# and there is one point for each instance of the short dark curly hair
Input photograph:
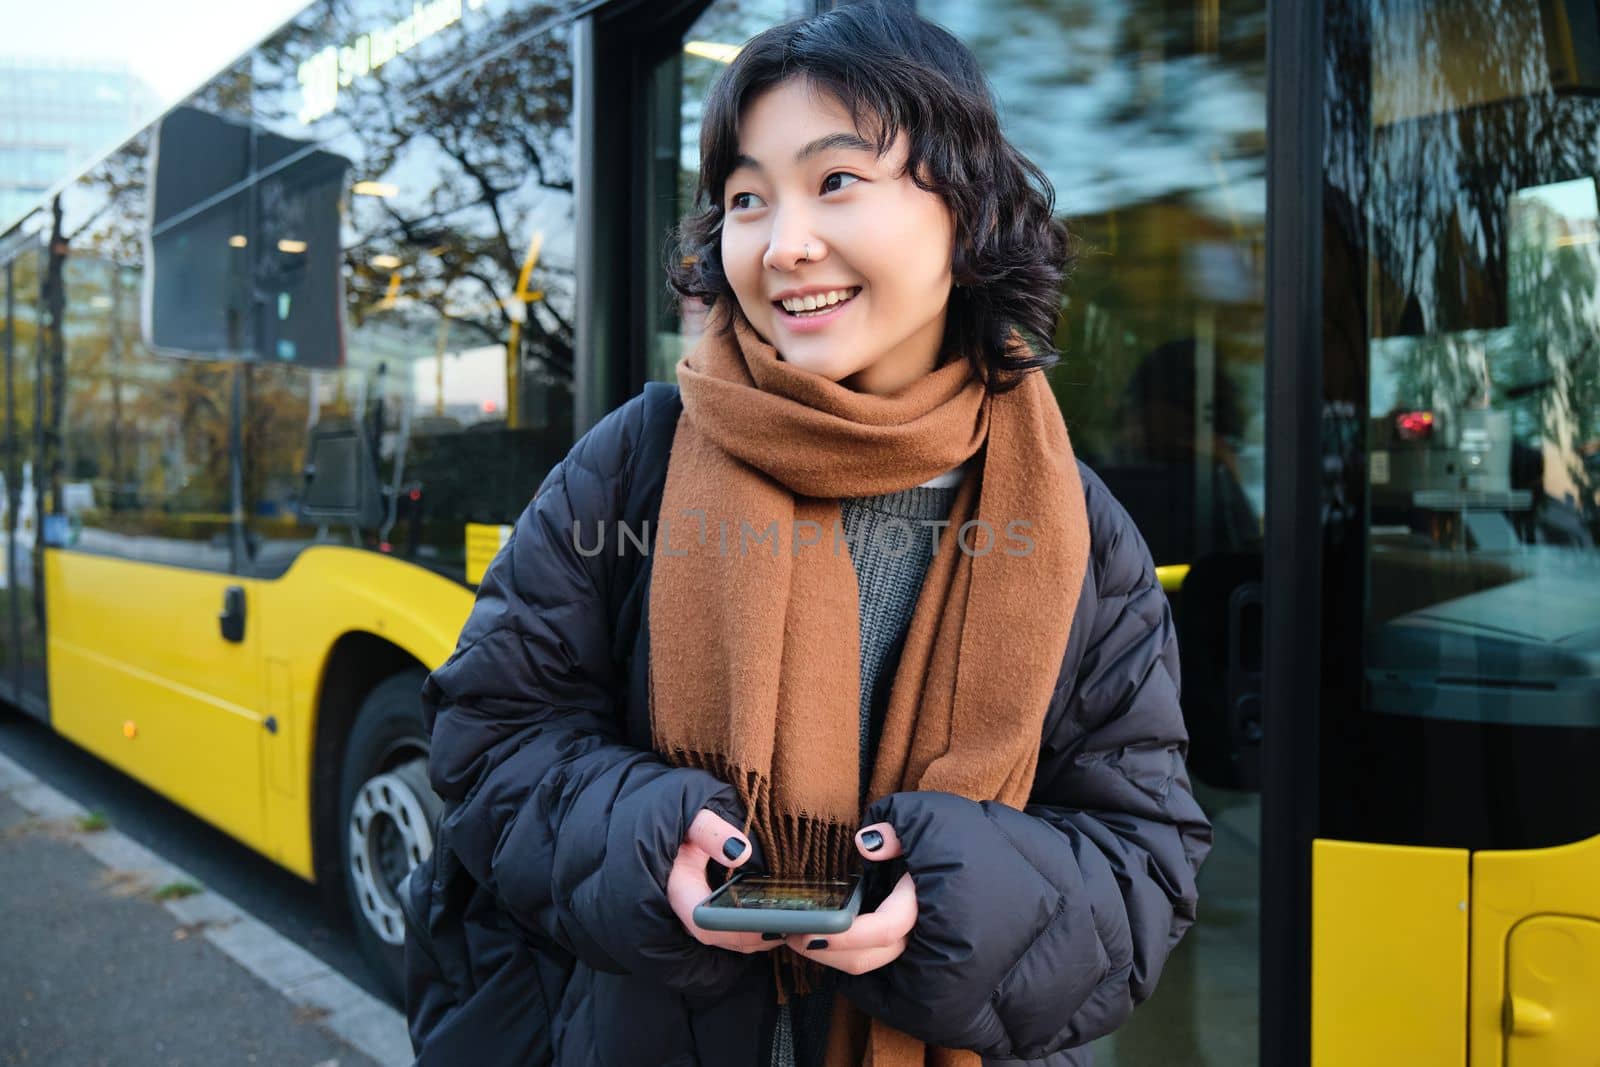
x,y
894,71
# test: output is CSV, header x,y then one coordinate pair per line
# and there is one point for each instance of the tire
x,y
387,816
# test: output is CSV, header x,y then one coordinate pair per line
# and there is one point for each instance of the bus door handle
x,y
232,618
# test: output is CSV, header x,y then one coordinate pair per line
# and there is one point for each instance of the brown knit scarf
x,y
755,667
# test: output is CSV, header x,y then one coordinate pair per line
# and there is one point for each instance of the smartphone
x,y
756,903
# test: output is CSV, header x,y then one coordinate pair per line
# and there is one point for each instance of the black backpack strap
x,y
647,473
662,406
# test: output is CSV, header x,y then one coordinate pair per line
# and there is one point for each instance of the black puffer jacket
x,y
542,933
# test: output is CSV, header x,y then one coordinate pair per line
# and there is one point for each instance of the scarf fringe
x,y
796,845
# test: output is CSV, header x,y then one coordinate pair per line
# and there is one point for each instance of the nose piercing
x,y
806,251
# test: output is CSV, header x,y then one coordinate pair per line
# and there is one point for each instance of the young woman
x,y
884,618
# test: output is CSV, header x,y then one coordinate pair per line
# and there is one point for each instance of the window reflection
x,y
144,437
387,311
244,243
342,63
1149,121
458,274
1484,425
684,79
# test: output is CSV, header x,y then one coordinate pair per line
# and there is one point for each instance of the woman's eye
x,y
836,181
743,201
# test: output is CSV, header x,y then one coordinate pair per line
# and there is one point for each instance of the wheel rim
x,y
389,835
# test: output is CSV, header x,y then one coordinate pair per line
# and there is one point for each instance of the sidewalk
x,y
109,955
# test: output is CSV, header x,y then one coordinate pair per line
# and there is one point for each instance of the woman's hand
x,y
710,837
879,937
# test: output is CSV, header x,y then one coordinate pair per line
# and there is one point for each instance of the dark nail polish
x,y
771,937
817,942
733,848
871,840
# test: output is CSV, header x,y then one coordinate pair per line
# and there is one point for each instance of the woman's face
x,y
837,258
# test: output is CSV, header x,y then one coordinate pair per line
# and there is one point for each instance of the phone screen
x,y
783,894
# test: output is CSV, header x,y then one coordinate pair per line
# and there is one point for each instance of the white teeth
x,y
813,301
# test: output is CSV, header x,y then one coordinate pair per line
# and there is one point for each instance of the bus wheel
x,y
388,812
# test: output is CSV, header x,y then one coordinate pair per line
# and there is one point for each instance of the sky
x,y
174,45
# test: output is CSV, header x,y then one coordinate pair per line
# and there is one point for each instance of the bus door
x,y
1161,380
27,343
1455,915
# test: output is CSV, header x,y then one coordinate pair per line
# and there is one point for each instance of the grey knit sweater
x,y
891,539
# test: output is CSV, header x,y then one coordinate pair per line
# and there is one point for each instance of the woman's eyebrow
x,y
853,142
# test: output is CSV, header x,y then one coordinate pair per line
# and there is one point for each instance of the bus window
x,y
1486,465
457,270
1463,180
144,436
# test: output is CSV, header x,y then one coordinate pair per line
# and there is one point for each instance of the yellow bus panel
x,y
1388,955
1536,956
141,676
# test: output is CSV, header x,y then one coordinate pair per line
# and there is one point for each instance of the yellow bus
x,y
280,370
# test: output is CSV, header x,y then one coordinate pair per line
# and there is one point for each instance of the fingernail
x,y
733,848
771,937
817,942
871,840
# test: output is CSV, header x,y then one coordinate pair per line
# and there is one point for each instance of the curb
x,y
342,1008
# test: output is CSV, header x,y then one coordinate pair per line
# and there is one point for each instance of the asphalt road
x,y
281,900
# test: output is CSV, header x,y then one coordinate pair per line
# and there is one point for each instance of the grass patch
x,y
93,822
176,891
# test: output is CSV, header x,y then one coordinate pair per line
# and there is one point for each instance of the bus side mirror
x,y
341,480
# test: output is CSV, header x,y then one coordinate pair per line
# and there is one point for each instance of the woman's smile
x,y
813,311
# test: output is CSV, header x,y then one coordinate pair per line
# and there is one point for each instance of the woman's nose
x,y
791,245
